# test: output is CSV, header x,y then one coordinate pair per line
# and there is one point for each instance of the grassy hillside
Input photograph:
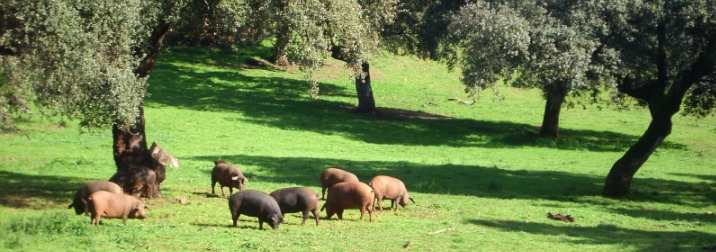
x,y
477,172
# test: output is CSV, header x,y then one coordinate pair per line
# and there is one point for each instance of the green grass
x,y
478,169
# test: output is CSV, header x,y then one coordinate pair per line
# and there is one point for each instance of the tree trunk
x,y
366,102
130,147
131,155
550,121
662,106
281,47
620,176
158,36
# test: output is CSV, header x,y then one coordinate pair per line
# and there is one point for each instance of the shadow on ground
x,y
488,182
605,234
187,79
37,191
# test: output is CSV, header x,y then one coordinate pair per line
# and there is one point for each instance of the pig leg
x,y
305,216
380,206
235,218
315,215
323,193
149,190
213,184
231,191
95,219
261,224
362,212
158,191
86,206
329,211
340,214
370,212
222,190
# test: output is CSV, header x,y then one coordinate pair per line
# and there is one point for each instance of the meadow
x,y
481,178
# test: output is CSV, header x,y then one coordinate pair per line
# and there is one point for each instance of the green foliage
x,y
52,224
664,47
74,58
353,26
551,44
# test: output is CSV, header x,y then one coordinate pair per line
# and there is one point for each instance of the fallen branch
x,y
444,230
565,218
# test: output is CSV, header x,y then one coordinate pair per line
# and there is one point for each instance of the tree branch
x,y
158,39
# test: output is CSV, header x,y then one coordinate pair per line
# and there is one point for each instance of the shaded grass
x,y
280,102
603,234
479,170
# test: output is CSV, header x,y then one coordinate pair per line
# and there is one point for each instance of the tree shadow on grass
x,y
480,181
665,215
37,191
609,234
182,81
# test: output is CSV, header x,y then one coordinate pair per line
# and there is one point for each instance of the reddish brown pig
x,y
386,187
332,176
227,175
256,204
297,199
80,200
346,195
114,205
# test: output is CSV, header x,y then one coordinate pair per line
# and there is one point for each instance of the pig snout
x,y
139,212
275,220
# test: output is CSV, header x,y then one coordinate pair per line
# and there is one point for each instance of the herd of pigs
x,y
106,199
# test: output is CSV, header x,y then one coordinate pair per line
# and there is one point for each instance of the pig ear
x,y
235,178
246,180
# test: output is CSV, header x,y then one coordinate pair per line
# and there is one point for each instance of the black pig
x,y
256,204
297,199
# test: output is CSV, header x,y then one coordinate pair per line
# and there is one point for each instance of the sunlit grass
x,y
477,172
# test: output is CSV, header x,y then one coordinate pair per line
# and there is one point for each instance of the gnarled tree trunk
x,y
131,155
664,102
366,101
130,146
620,176
283,34
550,120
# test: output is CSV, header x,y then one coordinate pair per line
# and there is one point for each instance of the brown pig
x,y
114,205
386,187
332,176
256,204
145,184
297,199
227,175
141,180
80,200
346,195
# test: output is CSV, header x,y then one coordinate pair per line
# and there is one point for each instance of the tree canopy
x,y
550,45
73,58
667,59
